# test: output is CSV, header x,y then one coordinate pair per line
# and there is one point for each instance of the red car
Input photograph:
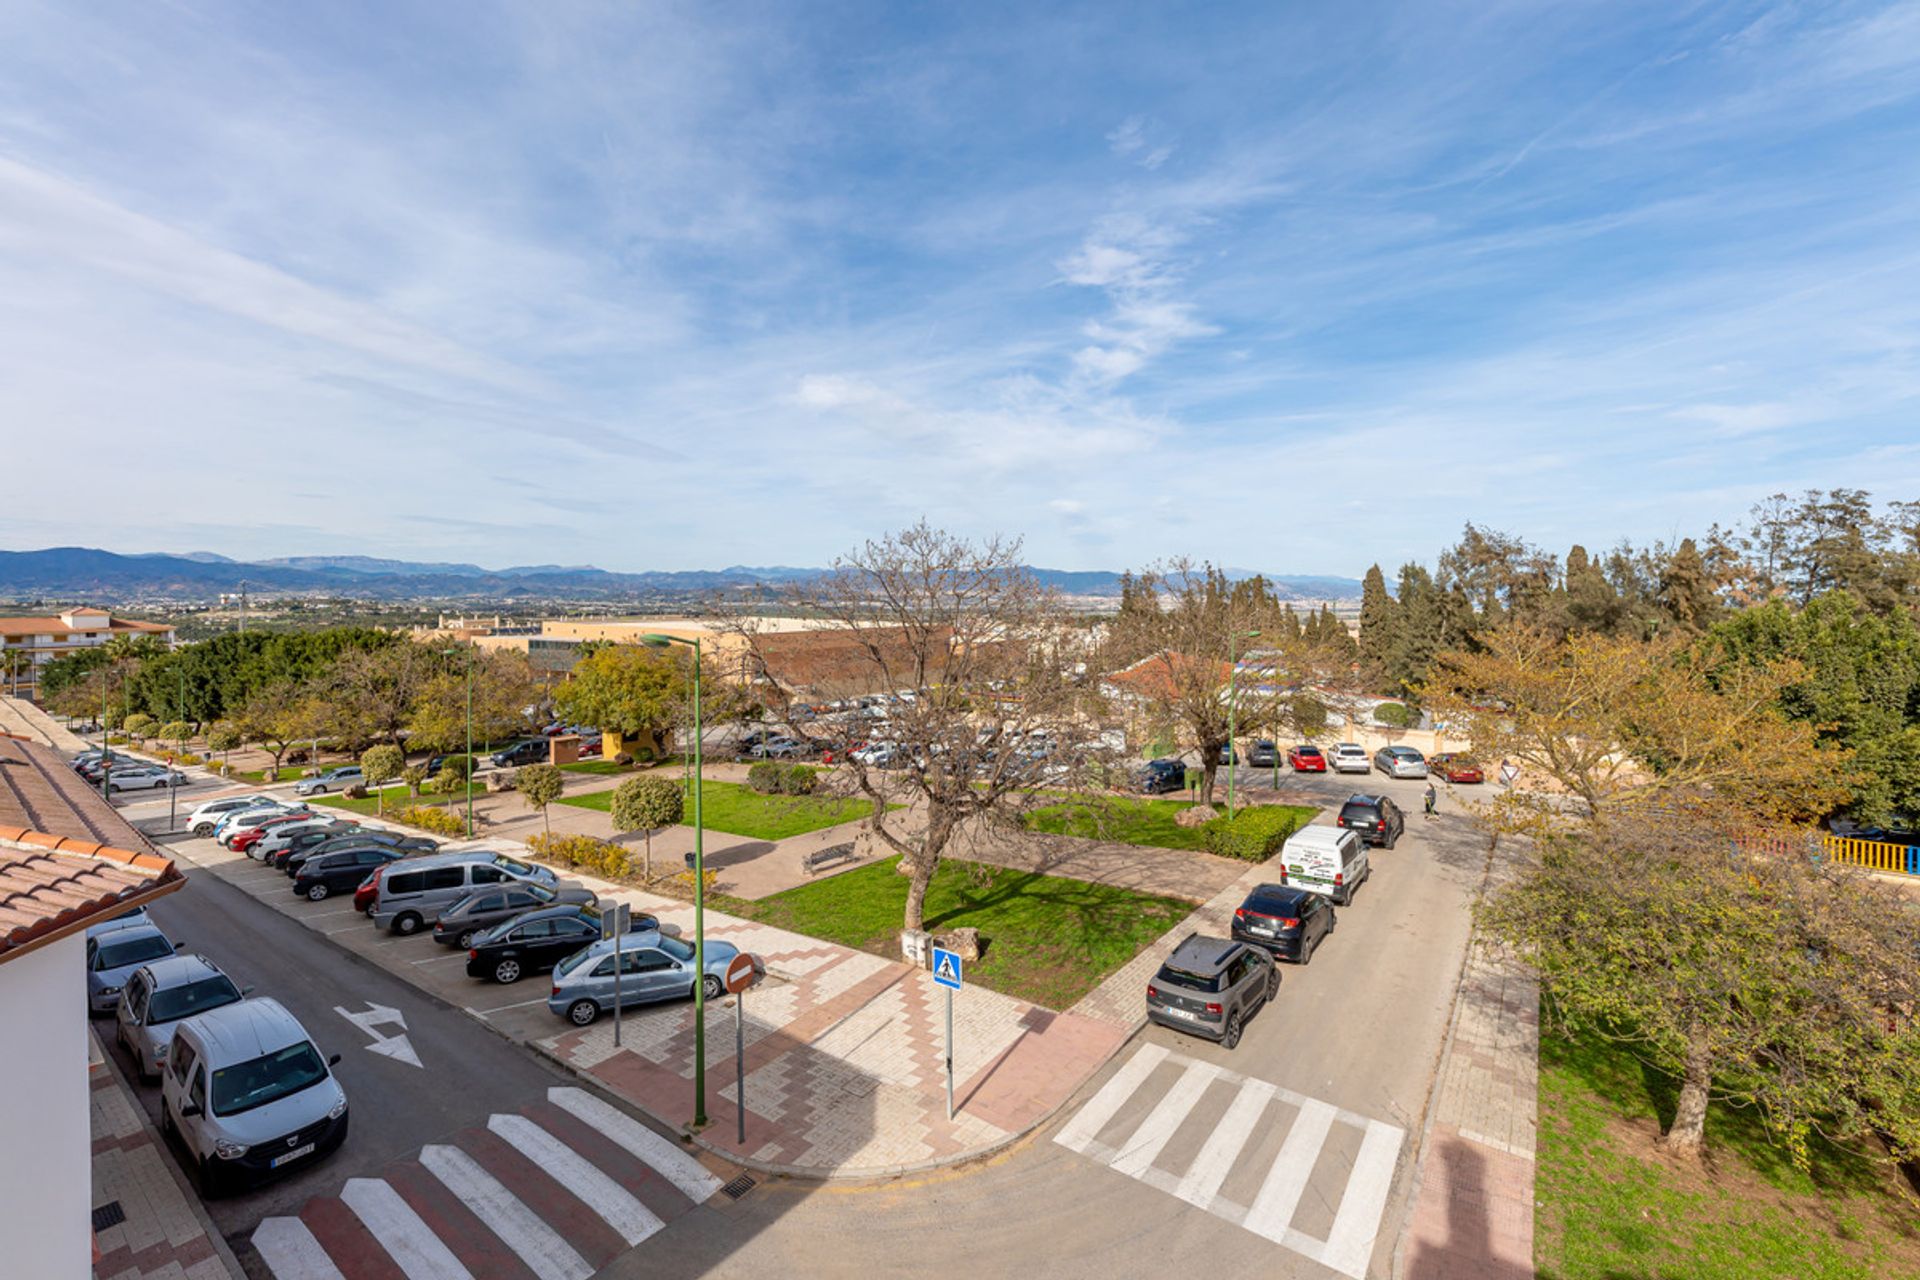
x,y
1455,767
1306,758
251,835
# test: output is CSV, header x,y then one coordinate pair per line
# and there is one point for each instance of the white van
x,y
1329,860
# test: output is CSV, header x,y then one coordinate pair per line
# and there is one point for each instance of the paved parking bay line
x,y
457,955
524,1004
678,1167
539,1246
633,1220
356,924
336,911
392,1221
291,1252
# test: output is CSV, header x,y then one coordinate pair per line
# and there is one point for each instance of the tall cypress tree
x,y
1380,626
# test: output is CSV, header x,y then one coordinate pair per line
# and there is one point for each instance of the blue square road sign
x,y
946,968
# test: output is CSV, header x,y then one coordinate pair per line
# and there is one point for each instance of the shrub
x,y
457,765
187,757
139,724
415,776
174,731
797,781
639,755
449,781
1252,835
766,777
1395,714
615,862
432,818
602,857
644,804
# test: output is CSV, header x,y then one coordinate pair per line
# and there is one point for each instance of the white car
x,y
202,820
1349,757
281,836
144,779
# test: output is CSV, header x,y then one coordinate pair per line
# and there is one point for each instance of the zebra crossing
x,y
554,1191
1159,1100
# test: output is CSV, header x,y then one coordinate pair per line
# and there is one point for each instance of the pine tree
x,y
1380,626
1686,592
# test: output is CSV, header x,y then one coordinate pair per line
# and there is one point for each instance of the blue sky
x,y
1292,286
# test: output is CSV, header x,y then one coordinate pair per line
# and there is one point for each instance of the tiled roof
x,y
1167,674
67,859
837,662
53,624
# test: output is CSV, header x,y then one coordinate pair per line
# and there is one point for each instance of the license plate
x,y
1264,931
294,1154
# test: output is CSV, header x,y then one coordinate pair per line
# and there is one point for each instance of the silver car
x,y
411,893
203,820
157,997
249,1095
335,779
113,955
653,967
1400,762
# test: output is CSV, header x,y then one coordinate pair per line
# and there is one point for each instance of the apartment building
x,y
42,638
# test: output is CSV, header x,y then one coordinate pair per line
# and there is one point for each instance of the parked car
x,y
1263,753
1377,819
202,820
338,778
1287,920
247,816
749,744
113,955
279,836
592,748
1350,757
653,967
532,751
1400,762
360,838
482,909
243,839
157,996
531,943
410,894
1211,986
1329,860
144,780
249,1096
302,843
1456,767
1157,776
1900,830
323,875
1306,758
783,749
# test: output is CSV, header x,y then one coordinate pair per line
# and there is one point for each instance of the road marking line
x,y
458,955
400,1231
503,1008
633,1220
1201,1183
677,1166
1350,1242
291,1253
1286,1181
1138,1152
1078,1133
342,929
519,1228
337,911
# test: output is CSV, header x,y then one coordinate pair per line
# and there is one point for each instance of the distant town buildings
x,y
42,638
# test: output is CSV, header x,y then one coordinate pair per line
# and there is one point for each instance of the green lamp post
x,y
656,640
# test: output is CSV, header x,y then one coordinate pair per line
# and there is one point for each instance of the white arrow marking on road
x,y
374,1016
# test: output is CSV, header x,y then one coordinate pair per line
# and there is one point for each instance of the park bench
x,y
828,856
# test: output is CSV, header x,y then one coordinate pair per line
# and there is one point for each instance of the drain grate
x,y
107,1215
738,1187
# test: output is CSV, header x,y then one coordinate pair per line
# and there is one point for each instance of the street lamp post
x,y
1233,667
658,641
106,734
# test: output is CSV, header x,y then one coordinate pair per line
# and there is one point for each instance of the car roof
x,y
1358,798
245,1030
134,929
1320,834
1285,892
1348,746
1200,954
180,969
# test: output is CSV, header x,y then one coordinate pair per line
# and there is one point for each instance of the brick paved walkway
x,y
164,1235
1472,1216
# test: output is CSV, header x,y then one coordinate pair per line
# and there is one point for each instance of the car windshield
x,y
173,1003
1188,978
512,866
1308,751
544,894
677,949
140,950
268,1078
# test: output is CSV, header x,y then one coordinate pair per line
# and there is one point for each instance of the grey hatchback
x,y
113,956
1211,986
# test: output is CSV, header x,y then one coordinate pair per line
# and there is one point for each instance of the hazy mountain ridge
x,y
88,573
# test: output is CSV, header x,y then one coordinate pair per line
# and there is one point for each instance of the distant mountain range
x,y
84,573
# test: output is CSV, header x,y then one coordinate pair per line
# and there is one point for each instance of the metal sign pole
x,y
740,1066
616,977
949,1053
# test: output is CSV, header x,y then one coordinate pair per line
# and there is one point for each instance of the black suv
x,y
1211,986
532,751
1160,775
325,874
1286,920
1262,754
291,858
1377,819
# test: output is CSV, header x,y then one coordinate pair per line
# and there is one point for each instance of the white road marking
x,y
1280,1194
1201,1183
1138,1153
337,911
633,1220
677,1166
503,1008
1350,1242
400,1231
519,1228
1078,1133
291,1252
457,955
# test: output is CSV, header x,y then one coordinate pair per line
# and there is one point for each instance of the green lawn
x,y
287,773
1130,820
394,797
738,810
596,767
1047,939
1609,1207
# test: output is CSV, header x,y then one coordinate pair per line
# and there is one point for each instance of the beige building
x,y
42,638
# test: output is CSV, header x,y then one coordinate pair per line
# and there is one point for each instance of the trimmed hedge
x,y
1253,835
600,856
771,778
432,818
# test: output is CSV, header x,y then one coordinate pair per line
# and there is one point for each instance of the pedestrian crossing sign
x,y
946,968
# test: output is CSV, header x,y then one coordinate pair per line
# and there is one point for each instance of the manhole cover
x,y
107,1215
735,1189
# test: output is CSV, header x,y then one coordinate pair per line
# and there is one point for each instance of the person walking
x,y
1433,801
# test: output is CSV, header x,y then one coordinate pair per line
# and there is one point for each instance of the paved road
x,y
1290,1155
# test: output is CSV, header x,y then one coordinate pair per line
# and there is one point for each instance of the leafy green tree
x,y
1395,715
503,689
176,732
138,725
540,785
223,736
1380,626
381,765
279,714
630,690
646,804
414,775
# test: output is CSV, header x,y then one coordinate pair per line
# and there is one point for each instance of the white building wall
x,y
45,1214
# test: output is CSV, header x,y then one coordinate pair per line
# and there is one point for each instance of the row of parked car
x,y
243,1088
125,773
1211,986
1169,773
